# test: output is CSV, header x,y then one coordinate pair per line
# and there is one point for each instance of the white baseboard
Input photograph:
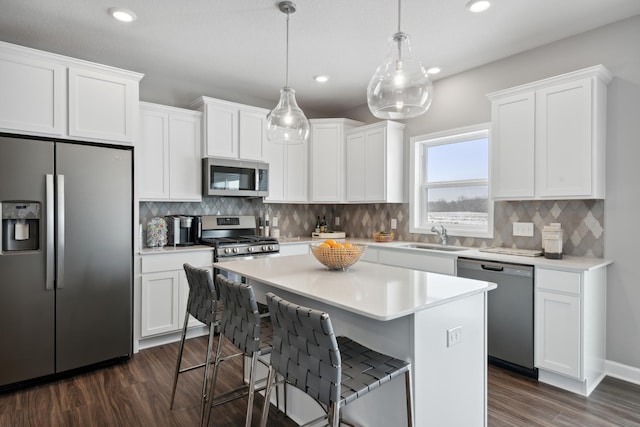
x,y
622,372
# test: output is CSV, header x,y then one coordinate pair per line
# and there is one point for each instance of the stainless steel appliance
x,y
66,257
183,230
234,238
509,312
229,177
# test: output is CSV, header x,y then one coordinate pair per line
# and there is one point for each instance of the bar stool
x,y
248,330
202,304
335,371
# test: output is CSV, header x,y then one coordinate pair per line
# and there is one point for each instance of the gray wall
x,y
460,100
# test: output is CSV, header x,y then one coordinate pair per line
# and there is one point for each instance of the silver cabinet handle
x,y
60,231
49,242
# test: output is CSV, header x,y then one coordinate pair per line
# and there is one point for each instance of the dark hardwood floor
x,y
137,393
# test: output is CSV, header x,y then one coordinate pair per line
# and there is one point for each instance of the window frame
x,y
418,203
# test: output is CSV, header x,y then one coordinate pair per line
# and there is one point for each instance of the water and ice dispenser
x,y
20,226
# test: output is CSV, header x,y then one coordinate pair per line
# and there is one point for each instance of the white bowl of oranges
x,y
335,255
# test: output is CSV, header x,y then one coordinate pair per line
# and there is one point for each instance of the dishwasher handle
x,y
473,264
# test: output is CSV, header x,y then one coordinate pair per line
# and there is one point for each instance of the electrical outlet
x,y
523,229
274,221
394,223
336,221
454,336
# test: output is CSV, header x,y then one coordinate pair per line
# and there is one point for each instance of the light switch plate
x,y
523,229
394,223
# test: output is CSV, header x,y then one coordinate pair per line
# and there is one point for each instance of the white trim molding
x,y
622,372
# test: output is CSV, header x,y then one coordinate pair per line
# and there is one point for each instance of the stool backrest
x,y
240,317
202,294
305,350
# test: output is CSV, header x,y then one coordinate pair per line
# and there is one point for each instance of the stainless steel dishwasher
x,y
509,312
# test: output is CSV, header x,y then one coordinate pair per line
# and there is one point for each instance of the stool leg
x,y
175,377
252,386
334,415
207,364
204,420
267,397
407,384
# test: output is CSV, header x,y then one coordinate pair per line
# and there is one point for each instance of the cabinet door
x,y
512,146
431,263
564,140
33,95
152,155
102,106
327,163
252,134
160,303
185,161
558,333
355,168
375,166
275,155
296,170
221,131
294,249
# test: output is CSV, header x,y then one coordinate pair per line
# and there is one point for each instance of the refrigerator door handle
x,y
49,242
60,231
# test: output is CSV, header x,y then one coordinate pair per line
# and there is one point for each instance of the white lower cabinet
x,y
570,327
165,290
443,264
294,249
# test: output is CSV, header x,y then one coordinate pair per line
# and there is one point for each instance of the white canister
x,y
552,237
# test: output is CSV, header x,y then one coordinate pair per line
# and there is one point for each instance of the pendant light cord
x,y
399,7
286,74
398,38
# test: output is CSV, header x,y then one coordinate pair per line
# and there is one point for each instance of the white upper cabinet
x,y
232,130
52,95
548,138
168,154
327,159
374,163
288,172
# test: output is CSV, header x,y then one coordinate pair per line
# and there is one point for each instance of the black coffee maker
x,y
183,230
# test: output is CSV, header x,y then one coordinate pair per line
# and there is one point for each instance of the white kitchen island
x,y
436,322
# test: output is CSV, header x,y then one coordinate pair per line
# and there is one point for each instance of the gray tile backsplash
x,y
582,220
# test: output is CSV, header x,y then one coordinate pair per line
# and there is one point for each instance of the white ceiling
x,y
235,49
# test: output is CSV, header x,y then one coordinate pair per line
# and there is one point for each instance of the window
x,y
450,182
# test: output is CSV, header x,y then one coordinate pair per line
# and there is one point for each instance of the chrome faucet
x,y
442,232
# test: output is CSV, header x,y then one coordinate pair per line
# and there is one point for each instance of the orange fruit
x,y
347,245
324,245
336,245
330,242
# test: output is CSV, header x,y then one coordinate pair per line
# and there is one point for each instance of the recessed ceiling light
x,y
433,70
321,78
122,15
478,6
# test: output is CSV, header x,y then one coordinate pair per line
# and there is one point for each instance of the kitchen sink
x,y
431,247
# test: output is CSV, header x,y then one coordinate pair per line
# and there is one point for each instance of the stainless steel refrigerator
x,y
66,256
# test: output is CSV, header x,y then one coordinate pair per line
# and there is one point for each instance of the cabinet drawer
x,y
174,261
560,281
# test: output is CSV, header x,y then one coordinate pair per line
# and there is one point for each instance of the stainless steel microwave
x,y
236,178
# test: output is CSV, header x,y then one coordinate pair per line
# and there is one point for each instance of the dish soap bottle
x,y
317,229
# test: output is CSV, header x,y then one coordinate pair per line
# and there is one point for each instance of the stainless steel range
x,y
234,238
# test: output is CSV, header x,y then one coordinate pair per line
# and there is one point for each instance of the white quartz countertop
x,y
572,263
373,290
175,249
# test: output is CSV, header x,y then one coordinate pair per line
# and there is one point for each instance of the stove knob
x,y
264,248
270,247
250,249
227,251
235,250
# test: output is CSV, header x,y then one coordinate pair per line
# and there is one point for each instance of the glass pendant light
x,y
401,87
287,123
